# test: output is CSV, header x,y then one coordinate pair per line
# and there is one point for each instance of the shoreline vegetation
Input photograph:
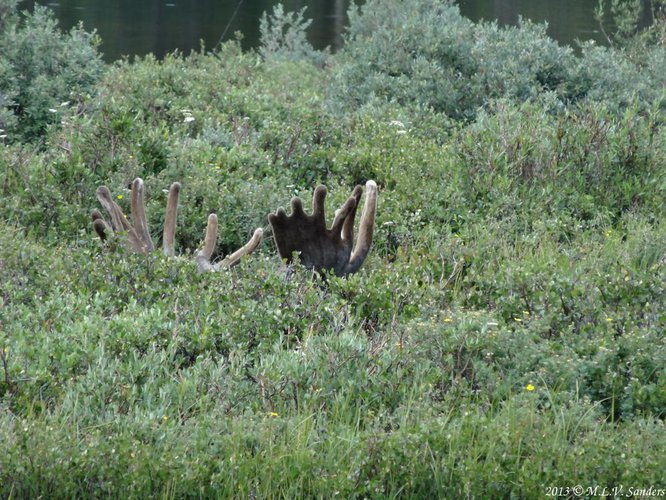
x,y
504,337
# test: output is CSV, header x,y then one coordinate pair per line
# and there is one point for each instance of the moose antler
x,y
138,236
204,255
326,249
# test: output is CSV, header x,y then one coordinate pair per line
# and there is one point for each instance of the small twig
x,y
5,367
231,20
174,333
457,269
524,296
292,145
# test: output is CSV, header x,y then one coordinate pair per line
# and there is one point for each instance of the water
x,y
568,20
138,27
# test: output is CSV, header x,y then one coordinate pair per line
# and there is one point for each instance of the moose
x,y
318,247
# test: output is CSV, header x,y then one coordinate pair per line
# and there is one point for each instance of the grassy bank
x,y
505,334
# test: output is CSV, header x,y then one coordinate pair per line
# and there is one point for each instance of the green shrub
x,y
283,36
604,73
425,52
598,161
43,72
504,334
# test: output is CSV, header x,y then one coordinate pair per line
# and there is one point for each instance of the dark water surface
x,y
138,27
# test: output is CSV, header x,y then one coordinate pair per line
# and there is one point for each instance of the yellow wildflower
x,y
530,387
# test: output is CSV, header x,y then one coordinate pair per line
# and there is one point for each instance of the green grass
x,y
505,334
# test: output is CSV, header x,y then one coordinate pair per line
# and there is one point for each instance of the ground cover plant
x,y
504,335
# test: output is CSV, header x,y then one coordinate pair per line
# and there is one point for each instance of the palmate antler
x,y
138,236
326,249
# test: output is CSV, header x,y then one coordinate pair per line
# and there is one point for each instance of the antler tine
x,y
100,226
235,258
118,220
362,246
348,226
297,207
342,214
318,202
204,255
169,234
139,218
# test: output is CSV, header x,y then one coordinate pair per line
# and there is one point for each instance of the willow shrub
x,y
441,60
424,53
504,334
42,70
